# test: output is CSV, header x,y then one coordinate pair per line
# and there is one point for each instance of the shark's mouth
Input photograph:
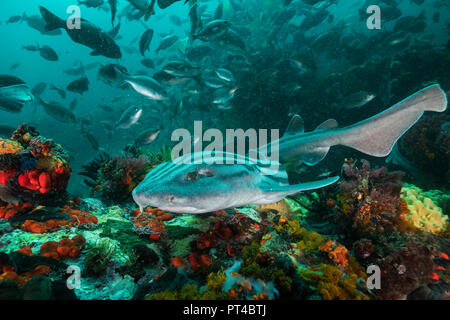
x,y
181,209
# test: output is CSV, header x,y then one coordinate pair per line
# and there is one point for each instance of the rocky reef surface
x,y
316,245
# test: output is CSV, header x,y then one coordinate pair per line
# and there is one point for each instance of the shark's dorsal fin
x,y
296,125
315,157
329,124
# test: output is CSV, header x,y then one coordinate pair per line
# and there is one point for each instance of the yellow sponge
x,y
424,213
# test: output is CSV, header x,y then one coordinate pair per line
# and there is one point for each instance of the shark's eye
x,y
191,176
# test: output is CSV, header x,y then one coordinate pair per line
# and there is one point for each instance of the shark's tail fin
x,y
376,136
53,22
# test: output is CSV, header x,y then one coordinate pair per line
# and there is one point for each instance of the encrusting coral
x,y
65,248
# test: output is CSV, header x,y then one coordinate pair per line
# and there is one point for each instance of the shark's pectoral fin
x,y
315,157
295,188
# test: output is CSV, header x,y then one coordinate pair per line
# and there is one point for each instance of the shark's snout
x,y
140,197
151,195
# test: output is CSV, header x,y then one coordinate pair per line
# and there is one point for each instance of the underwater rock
x,y
5,228
144,254
151,222
31,275
38,288
427,146
406,262
23,263
60,291
9,290
251,212
46,219
40,216
172,279
370,198
92,204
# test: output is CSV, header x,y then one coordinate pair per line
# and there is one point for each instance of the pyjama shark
x,y
182,187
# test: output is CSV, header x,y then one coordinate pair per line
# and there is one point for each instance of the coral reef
x,y
309,246
65,248
118,176
43,219
405,261
370,198
32,168
113,179
150,222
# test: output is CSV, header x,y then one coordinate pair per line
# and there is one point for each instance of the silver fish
x,y
129,117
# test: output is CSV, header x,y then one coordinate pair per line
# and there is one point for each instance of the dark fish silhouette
x,y
144,42
146,9
167,42
113,6
73,104
48,53
148,63
57,111
13,19
45,52
60,91
38,23
79,86
88,34
91,3
39,89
